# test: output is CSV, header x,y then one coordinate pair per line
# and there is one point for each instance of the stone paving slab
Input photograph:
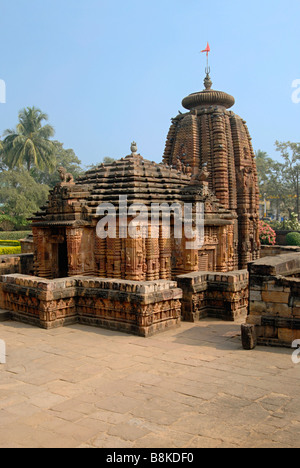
x,y
186,388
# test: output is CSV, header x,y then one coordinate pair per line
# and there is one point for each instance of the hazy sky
x,y
108,72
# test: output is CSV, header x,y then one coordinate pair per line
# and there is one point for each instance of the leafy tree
x,y
20,195
63,157
7,223
29,143
271,181
106,160
290,152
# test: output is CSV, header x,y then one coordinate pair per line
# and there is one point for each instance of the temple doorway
x,y
63,269
59,255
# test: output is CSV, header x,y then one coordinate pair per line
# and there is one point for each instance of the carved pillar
x,y
75,261
231,253
165,256
100,256
42,253
191,257
135,259
114,257
222,256
152,253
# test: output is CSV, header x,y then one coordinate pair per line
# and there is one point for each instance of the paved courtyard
x,y
190,387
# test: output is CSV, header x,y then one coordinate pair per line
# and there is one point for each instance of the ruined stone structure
x,y
274,305
211,135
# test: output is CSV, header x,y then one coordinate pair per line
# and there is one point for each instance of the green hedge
x,y
9,243
10,250
293,238
14,235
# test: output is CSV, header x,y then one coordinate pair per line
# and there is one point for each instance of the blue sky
x,y
108,72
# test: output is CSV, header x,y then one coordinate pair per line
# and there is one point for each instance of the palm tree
x,y
29,143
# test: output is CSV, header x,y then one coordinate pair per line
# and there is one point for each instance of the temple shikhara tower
x,y
212,136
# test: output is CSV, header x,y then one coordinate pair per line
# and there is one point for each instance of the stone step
x,y
4,315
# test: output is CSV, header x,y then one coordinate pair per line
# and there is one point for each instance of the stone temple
x,y
144,284
208,158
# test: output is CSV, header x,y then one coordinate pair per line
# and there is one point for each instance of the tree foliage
x,y
21,195
279,181
63,157
29,143
29,159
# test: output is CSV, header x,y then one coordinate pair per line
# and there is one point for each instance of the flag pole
x,y
207,50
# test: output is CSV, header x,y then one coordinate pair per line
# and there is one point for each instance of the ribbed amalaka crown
x,y
208,97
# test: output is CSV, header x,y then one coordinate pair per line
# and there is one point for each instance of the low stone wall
x,y
272,250
20,263
220,295
281,236
128,306
27,245
274,302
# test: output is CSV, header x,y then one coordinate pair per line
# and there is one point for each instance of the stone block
x,y
255,296
249,338
4,315
287,336
254,320
278,309
257,307
276,297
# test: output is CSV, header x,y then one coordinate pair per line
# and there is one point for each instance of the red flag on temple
x,y
206,50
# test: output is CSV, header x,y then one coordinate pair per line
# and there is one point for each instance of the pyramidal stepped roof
x,y
140,180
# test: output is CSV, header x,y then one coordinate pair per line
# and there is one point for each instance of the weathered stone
x,y
276,297
277,314
133,307
214,296
249,339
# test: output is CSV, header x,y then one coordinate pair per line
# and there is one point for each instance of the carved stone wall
x,y
224,296
128,306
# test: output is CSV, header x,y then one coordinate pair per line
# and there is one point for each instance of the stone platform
x,y
128,306
192,386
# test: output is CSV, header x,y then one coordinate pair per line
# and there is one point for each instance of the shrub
x,y
293,238
267,235
9,243
10,250
7,222
14,235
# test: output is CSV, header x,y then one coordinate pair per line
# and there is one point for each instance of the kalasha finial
x,y
133,148
207,80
